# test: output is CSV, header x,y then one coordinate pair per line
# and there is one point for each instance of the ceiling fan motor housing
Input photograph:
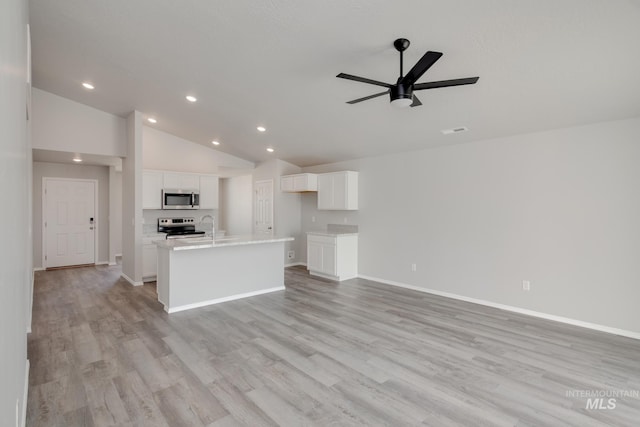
x,y
401,91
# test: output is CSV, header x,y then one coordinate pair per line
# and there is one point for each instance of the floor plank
x,y
319,353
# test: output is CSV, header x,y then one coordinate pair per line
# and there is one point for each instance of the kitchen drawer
x,y
331,240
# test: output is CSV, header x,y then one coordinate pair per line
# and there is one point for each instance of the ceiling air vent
x,y
455,130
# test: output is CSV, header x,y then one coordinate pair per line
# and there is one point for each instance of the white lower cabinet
x,y
149,262
332,256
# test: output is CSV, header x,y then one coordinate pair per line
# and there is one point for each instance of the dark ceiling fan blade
x,y
427,60
363,80
445,83
416,102
355,101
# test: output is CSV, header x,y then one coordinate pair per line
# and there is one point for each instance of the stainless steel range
x,y
177,228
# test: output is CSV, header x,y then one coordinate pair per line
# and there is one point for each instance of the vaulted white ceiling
x,y
542,64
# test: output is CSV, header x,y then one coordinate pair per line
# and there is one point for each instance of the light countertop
x,y
335,230
332,233
208,242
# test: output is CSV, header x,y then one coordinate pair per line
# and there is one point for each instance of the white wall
x,y
63,125
115,214
132,220
59,170
15,172
286,206
163,151
236,205
559,208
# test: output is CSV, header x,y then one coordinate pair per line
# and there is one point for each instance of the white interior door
x,y
69,222
264,206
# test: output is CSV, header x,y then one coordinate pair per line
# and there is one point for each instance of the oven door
x,y
180,199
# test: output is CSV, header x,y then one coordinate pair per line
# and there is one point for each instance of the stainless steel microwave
x,y
180,199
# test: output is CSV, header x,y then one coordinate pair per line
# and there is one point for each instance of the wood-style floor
x,y
104,353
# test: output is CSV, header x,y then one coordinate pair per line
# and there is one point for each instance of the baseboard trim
x,y
220,300
25,397
130,280
553,317
102,263
38,269
294,264
111,264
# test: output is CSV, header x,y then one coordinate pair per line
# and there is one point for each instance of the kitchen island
x,y
197,272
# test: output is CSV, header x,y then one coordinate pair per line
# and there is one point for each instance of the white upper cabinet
x,y
299,182
338,191
208,192
152,190
181,181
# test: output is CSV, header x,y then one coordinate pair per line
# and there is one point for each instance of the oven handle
x,y
193,199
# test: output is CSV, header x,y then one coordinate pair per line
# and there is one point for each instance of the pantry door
x,y
263,212
69,222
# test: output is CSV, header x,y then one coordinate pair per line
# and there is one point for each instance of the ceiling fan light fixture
x,y
401,102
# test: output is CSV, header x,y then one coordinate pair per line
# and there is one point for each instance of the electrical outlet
x,y
291,254
313,219
345,219
414,267
526,285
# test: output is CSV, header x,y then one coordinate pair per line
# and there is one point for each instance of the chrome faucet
x,y
212,223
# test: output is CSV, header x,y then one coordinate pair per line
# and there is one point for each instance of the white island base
x,y
195,273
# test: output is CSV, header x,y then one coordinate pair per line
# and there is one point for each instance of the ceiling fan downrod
x,y
401,45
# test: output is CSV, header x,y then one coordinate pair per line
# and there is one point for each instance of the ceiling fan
x,y
401,93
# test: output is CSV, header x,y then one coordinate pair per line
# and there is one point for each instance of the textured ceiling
x,y
542,64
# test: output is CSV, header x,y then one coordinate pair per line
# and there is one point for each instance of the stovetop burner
x,y
178,227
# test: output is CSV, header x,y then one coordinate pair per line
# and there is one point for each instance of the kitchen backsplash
x,y
342,228
151,216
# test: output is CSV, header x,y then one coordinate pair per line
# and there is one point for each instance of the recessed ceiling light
x,y
215,142
191,98
271,150
454,130
88,85
261,128
152,120
77,159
